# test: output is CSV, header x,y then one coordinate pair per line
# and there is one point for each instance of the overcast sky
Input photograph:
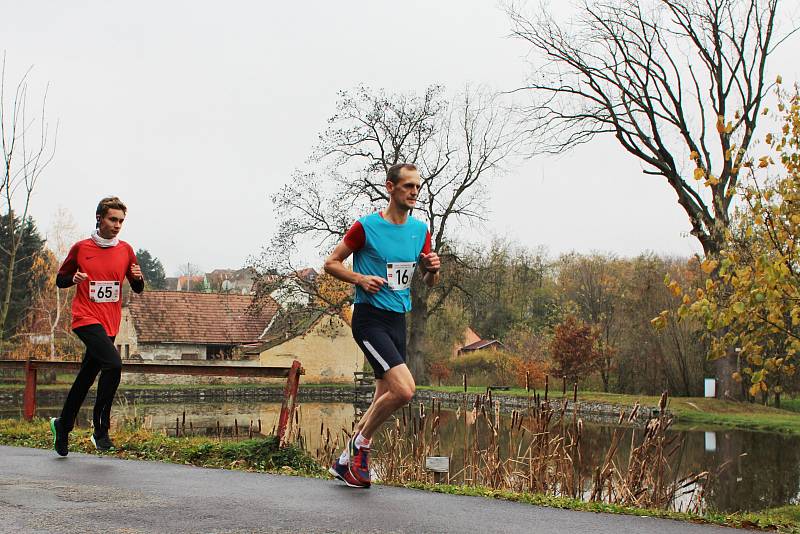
x,y
194,113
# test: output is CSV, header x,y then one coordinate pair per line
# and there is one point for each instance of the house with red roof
x,y
173,325
472,342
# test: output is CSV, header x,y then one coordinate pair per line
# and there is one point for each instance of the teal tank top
x,y
390,251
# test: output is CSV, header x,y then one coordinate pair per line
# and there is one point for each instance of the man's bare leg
x,y
400,388
380,390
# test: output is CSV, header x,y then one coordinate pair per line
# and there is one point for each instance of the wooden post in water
x,y
29,396
465,382
236,428
527,381
546,386
564,386
183,423
177,427
219,431
575,393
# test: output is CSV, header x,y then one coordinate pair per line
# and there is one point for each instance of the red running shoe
x,y
352,482
359,464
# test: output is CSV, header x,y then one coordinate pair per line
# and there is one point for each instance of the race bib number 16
x,y
399,275
102,291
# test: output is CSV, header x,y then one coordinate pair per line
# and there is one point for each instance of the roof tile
x,y
183,317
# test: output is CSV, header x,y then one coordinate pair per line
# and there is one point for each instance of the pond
x,y
762,470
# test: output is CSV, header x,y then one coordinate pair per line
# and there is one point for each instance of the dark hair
x,y
393,174
110,203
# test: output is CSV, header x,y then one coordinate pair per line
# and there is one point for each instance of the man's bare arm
x,y
334,266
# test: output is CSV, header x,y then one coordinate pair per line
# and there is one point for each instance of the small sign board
x,y
438,464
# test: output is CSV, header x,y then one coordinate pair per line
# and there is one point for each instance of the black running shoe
x,y
102,443
60,438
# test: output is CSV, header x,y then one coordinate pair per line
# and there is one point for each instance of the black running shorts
x,y
381,334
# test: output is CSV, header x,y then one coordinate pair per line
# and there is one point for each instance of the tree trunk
x,y
12,259
727,387
604,375
416,331
54,325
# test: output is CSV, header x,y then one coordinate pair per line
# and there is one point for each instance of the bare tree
x,y
679,83
27,151
457,143
62,234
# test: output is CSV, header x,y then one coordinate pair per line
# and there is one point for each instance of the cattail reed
x,y
540,453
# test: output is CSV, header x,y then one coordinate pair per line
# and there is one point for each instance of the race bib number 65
x,y
104,291
399,275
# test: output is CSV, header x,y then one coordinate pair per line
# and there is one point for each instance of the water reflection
x,y
761,470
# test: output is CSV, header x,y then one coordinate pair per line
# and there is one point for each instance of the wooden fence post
x,y
29,396
289,401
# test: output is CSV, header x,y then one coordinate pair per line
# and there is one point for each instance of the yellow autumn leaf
x,y
675,288
721,124
712,180
699,173
763,162
779,79
768,139
694,155
729,127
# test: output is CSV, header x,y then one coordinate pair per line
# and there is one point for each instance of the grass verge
x,y
784,519
264,455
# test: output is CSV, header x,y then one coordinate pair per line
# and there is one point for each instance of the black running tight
x,y
101,357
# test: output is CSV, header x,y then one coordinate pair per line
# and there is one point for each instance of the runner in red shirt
x,y
97,266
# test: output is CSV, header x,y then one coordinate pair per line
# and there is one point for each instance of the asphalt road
x,y
42,493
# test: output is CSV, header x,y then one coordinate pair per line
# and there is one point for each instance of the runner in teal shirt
x,y
388,248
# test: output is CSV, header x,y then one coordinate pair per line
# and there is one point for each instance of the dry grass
x,y
538,451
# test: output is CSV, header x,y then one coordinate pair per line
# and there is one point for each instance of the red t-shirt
x,y
356,237
110,264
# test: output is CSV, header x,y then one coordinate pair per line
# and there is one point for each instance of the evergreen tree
x,y
152,269
31,246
